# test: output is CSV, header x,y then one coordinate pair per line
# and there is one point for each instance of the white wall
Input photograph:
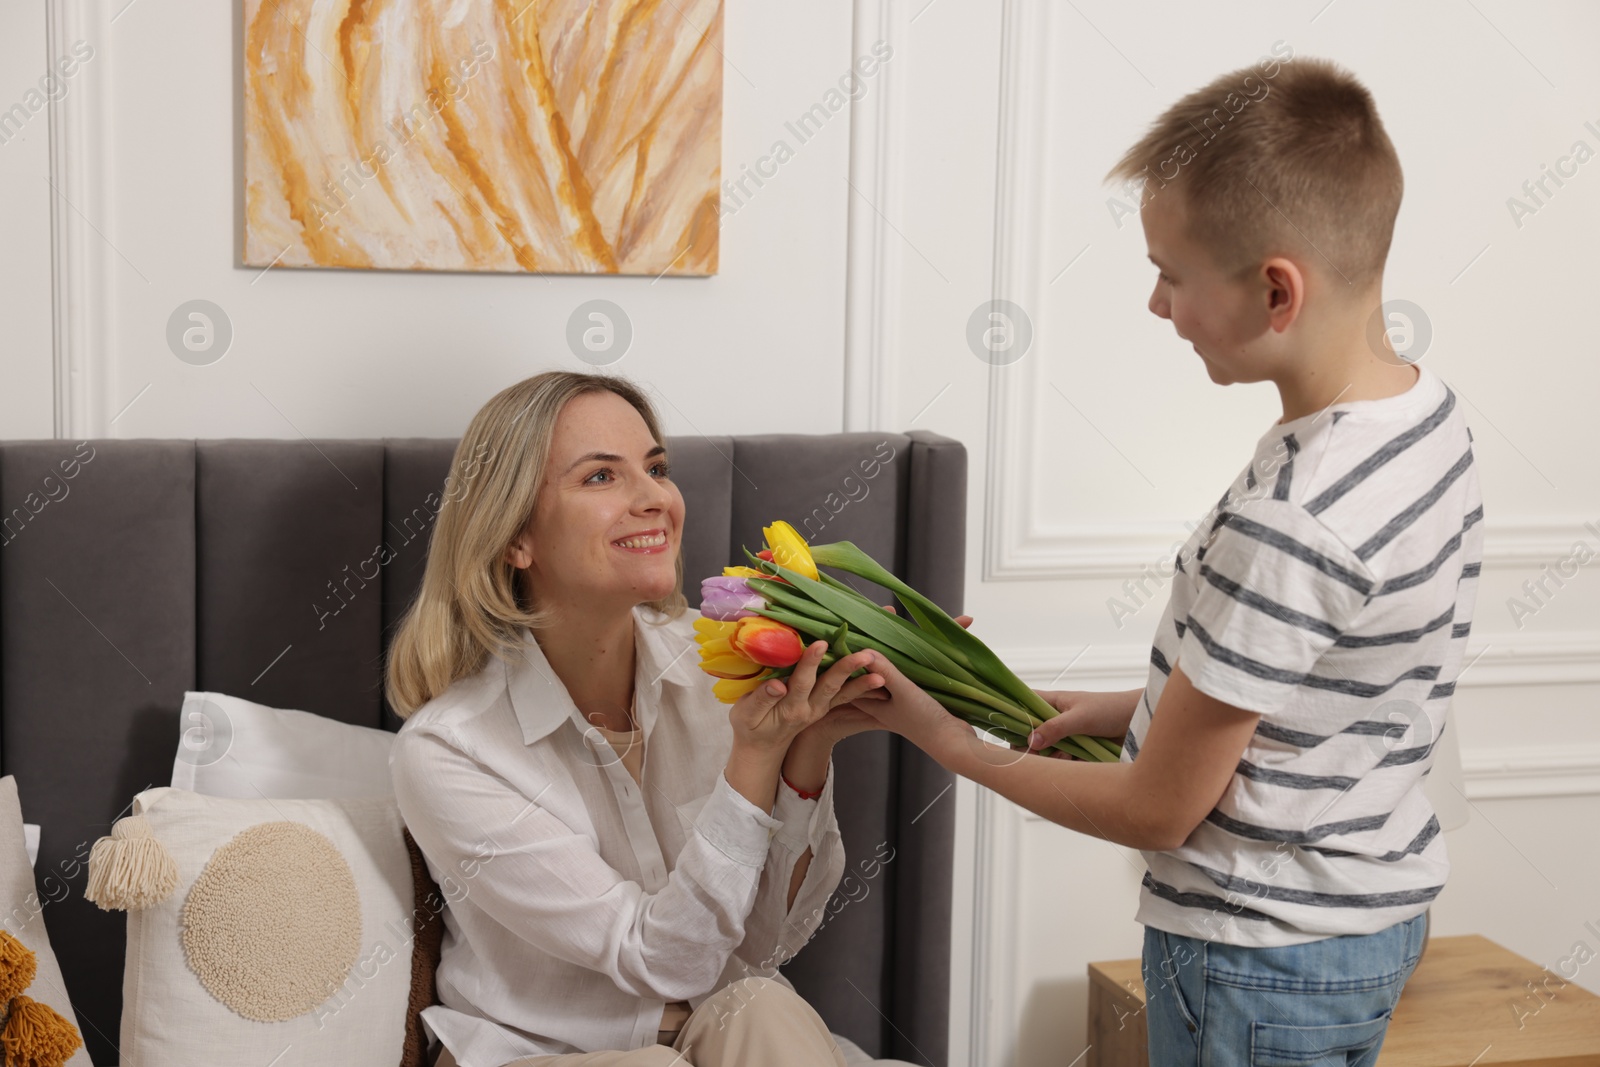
x,y
969,169
27,405
345,353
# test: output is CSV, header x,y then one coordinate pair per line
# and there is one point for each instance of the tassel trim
x,y
37,1036
131,869
18,965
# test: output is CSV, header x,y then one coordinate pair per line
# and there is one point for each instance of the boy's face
x,y
1223,318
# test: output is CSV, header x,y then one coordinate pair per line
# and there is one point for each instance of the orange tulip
x,y
767,642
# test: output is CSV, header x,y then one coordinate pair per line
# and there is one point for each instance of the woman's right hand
x,y
765,723
1082,712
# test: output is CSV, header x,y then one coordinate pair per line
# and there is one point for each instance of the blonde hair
x,y
468,606
1299,163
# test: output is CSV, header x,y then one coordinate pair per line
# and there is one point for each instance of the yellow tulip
x,y
730,666
743,572
790,550
729,690
706,629
718,657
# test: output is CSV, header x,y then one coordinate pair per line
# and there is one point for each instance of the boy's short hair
x,y
1295,160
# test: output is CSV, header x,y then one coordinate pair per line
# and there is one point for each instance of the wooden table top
x,y
1468,1005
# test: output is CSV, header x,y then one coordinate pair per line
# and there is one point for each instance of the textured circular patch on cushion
x,y
273,924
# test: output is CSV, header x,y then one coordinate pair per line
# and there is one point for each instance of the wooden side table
x,y
1469,1003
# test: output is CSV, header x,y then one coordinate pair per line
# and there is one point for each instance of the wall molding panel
x,y
78,250
874,254
1532,771
996,905
1019,201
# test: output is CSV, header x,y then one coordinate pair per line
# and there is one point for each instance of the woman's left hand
x,y
841,721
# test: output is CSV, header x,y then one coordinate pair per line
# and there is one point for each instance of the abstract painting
x,y
550,136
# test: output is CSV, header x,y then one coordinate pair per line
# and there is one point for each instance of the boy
x,y
1272,767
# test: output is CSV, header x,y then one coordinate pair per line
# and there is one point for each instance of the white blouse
x,y
581,903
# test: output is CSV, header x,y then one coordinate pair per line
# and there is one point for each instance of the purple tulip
x,y
726,599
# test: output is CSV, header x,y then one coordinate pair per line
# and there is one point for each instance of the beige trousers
x,y
751,1021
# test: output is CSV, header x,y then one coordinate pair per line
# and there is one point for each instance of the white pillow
x,y
22,914
228,747
170,1018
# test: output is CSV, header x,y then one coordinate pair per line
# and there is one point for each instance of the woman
x,y
625,871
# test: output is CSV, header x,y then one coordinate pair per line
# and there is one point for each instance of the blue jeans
x,y
1312,1005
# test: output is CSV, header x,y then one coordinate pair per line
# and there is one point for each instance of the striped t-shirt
x,y
1331,590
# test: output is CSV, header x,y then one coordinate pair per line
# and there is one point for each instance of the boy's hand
x,y
880,693
910,712
1082,712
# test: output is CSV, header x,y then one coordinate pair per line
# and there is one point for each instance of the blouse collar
x,y
661,657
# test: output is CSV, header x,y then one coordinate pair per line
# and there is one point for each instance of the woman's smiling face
x,y
609,522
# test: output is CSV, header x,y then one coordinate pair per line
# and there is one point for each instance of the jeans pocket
x,y
1182,962
1281,1045
1417,941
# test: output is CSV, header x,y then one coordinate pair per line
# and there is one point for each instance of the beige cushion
x,y
230,747
169,1017
22,911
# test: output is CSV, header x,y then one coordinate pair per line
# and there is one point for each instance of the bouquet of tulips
x,y
756,621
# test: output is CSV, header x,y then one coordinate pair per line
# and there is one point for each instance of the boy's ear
x,y
1285,289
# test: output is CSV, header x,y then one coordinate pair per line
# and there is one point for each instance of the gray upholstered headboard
x,y
133,570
